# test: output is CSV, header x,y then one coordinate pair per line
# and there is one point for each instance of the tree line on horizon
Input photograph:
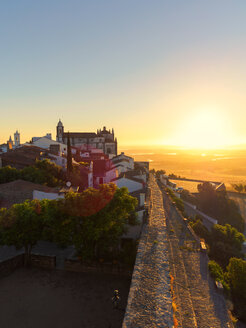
x,y
239,187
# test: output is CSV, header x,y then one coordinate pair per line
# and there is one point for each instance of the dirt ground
x,y
39,298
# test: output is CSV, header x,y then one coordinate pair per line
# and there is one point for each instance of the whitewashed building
x,y
123,163
131,184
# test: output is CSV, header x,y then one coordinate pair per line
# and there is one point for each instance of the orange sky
x,y
164,72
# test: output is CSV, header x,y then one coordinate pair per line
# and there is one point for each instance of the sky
x,y
160,72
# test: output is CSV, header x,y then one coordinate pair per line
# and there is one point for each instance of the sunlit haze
x,y
159,72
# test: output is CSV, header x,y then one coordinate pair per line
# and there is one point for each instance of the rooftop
x,y
22,156
18,191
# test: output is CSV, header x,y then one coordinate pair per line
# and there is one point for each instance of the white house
x,y
164,179
3,148
58,160
123,163
46,142
132,184
136,174
40,195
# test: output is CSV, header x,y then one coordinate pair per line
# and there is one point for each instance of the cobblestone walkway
x,y
198,302
150,300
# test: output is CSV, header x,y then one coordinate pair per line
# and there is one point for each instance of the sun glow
x,y
205,129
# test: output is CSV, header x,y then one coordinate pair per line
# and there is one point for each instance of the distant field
x,y
191,186
228,166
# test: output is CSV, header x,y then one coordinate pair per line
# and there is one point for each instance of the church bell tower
x,y
17,138
59,131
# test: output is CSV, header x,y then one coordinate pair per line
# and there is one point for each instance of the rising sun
x,y
205,129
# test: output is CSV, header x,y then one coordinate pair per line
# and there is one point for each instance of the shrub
x,y
201,230
218,274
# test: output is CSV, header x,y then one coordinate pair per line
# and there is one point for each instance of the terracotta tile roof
x,y
121,155
116,161
22,157
18,191
122,176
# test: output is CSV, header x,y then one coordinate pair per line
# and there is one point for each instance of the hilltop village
x,y
74,205
94,158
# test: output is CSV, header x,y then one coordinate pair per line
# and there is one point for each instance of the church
x,y
10,143
103,140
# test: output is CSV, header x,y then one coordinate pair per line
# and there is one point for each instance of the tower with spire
x,y
17,138
10,143
59,131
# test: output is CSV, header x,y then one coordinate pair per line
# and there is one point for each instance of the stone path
x,y
150,300
198,302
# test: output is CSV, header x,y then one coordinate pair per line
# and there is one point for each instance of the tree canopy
x,y
218,205
42,172
21,226
226,242
99,218
92,221
237,275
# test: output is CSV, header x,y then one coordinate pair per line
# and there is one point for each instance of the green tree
x,y
57,222
238,187
216,271
42,172
201,230
237,276
99,218
188,197
93,221
159,173
218,274
219,206
226,242
33,174
8,174
21,226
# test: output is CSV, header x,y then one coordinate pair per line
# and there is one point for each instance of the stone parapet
x,y
150,300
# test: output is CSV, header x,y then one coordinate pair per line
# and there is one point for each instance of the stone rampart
x,y
150,300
